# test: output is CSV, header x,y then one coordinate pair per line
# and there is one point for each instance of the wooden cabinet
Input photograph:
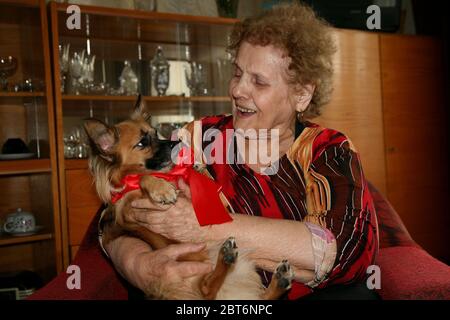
x,y
417,137
115,36
356,104
32,183
389,99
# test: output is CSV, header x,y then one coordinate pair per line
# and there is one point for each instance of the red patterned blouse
x,y
320,182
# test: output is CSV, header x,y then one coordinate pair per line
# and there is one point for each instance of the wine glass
x,y
64,64
196,78
8,66
191,79
76,70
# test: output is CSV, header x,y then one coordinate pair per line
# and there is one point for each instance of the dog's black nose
x,y
162,157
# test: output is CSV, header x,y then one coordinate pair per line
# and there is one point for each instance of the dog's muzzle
x,y
162,158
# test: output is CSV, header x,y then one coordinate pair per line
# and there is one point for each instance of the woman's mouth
x,y
244,112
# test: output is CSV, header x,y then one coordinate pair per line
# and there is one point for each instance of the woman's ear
x,y
303,98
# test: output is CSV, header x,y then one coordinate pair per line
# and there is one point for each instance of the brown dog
x,y
132,147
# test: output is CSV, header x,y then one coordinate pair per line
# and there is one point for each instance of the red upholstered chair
x,y
407,271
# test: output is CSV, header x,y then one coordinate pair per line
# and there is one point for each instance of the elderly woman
x,y
315,210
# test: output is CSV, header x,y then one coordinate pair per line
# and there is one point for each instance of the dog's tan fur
x,y
114,155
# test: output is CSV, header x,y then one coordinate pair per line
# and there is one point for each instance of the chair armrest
x,y
411,273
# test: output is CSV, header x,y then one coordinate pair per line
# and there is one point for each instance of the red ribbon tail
x,y
206,200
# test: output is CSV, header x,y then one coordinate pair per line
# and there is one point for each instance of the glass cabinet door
x,y
179,64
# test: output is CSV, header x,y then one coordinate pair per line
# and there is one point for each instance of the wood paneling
x,y
416,135
356,107
79,220
80,189
82,203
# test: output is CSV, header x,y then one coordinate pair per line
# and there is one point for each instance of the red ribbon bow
x,y
204,191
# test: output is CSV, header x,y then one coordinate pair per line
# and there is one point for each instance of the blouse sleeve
x,y
341,215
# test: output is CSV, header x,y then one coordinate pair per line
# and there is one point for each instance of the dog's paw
x,y
284,275
229,251
159,190
168,196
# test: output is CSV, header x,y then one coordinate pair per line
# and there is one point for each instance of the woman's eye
x,y
260,82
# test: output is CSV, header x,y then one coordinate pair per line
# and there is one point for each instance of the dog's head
x,y
127,147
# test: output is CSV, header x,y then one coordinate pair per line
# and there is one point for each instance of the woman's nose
x,y
239,88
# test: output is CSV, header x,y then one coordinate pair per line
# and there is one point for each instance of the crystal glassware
x,y
196,79
76,71
128,80
160,72
63,64
8,66
87,74
224,71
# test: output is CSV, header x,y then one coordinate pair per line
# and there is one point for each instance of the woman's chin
x,y
245,122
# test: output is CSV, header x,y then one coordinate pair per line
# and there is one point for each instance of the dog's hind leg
x,y
212,283
281,281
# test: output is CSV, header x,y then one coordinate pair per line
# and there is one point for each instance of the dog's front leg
x,y
158,190
126,220
161,191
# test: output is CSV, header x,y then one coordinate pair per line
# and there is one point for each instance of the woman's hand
x,y
177,222
146,269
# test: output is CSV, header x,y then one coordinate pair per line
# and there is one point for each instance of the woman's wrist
x,y
219,232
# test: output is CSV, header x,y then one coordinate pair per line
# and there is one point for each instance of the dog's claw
x,y
284,275
164,195
229,251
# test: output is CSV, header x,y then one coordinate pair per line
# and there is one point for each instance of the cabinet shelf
x,y
147,15
21,3
6,240
107,24
22,94
9,167
146,98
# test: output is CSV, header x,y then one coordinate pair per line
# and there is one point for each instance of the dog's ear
x,y
102,137
140,110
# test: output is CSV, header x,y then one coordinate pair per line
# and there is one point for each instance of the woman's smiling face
x,y
260,93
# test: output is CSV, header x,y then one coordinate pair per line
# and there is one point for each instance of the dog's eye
x,y
144,142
